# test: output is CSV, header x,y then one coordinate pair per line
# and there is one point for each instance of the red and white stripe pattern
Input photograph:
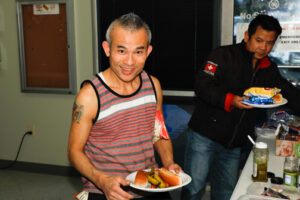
x,y
120,140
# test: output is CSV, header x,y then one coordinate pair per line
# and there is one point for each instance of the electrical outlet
x,y
31,128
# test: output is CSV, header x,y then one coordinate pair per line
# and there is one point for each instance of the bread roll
x,y
141,179
278,98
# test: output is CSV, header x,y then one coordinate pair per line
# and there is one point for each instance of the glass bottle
x,y
290,171
298,181
260,162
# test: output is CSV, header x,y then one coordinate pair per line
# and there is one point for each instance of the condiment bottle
x,y
298,181
260,162
290,171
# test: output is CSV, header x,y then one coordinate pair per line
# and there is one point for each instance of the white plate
x,y
257,188
186,179
273,105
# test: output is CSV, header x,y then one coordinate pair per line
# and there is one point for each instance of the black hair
x,y
267,22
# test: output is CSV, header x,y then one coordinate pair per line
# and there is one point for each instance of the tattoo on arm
x,y
77,112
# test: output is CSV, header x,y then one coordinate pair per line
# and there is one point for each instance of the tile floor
x,y
19,185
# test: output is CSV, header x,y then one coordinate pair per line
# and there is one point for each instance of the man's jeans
x,y
208,161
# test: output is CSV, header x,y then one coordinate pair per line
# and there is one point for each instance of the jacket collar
x,y
263,63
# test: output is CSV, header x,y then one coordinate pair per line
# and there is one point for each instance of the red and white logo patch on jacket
x,y
210,68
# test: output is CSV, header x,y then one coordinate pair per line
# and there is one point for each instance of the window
x,y
286,52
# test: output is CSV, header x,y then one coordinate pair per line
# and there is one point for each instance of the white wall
x,y
227,22
50,113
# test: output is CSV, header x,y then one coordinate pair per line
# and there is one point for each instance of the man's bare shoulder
x,y
154,79
87,95
155,82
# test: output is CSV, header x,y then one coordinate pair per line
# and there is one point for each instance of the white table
x,y
275,165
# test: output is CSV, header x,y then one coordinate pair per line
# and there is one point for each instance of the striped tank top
x,y
120,141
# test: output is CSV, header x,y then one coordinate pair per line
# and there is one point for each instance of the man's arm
x,y
237,103
209,88
208,85
164,147
84,111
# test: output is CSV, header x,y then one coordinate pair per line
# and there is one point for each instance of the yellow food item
x,y
162,183
155,179
261,92
152,180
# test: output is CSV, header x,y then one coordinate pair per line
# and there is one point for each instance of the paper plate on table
x,y
272,105
186,179
257,188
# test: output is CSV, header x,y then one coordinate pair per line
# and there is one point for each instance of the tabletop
x,y
275,165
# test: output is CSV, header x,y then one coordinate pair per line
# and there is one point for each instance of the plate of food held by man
x,y
260,97
158,180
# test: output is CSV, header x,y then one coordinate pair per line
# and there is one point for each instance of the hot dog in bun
x,y
169,177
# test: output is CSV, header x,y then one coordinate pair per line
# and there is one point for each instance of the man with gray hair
x,y
114,116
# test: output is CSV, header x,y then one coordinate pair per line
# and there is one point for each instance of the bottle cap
x,y
277,180
261,145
